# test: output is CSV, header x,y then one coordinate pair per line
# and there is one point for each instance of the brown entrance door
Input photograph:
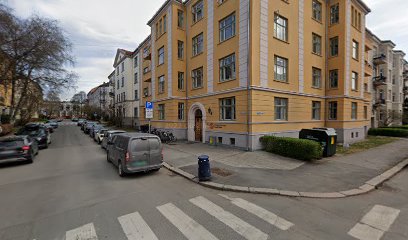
x,y
198,129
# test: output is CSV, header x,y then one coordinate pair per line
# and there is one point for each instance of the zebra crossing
x,y
372,226
135,227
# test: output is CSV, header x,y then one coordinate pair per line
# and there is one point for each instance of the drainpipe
x,y
327,80
248,148
186,75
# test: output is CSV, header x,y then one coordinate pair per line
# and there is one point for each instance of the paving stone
x,y
353,192
236,188
264,190
367,187
212,185
377,180
289,193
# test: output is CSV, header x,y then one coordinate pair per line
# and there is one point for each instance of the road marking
x,y
190,228
135,227
86,232
260,212
375,223
238,225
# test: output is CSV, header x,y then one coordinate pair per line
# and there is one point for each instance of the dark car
x,y
108,137
95,129
88,127
74,119
37,131
49,127
135,152
18,148
53,123
83,125
80,122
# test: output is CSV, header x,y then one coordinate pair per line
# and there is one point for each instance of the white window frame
x,y
334,46
354,81
180,49
227,104
354,110
198,44
281,69
280,27
334,77
180,80
334,13
316,77
316,44
317,10
226,24
161,82
227,63
316,110
355,45
198,11
180,111
197,78
160,55
161,110
281,109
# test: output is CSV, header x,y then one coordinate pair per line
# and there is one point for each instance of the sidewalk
x,y
264,172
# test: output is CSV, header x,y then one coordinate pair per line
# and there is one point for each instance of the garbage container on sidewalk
x,y
325,136
204,170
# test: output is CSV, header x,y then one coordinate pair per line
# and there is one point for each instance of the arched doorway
x,y
198,126
196,123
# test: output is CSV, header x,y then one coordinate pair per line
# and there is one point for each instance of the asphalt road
x,y
71,192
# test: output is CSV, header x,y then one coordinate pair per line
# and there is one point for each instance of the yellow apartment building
x,y
231,71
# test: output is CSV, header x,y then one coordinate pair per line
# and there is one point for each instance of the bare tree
x,y
33,49
52,105
389,117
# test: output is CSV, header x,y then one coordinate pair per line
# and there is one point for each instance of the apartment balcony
x,y
379,103
405,89
380,59
379,81
368,69
111,94
405,75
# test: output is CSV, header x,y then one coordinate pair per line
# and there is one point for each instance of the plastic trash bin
x,y
204,170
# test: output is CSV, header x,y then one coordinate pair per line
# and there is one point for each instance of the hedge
x,y
398,127
302,149
5,129
390,132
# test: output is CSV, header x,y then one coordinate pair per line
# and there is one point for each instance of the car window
x,y
7,143
139,145
154,144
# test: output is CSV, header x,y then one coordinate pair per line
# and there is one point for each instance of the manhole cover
x,y
221,172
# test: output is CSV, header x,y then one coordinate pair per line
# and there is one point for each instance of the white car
x,y
99,135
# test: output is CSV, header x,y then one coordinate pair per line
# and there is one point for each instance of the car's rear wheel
x,y
120,170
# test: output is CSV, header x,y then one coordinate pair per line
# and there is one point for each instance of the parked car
x,y
83,125
80,122
18,148
49,127
135,152
94,129
99,135
108,137
88,127
37,131
53,123
74,119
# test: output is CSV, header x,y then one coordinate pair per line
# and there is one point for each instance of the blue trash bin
x,y
204,170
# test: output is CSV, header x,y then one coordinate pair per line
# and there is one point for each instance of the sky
x,y
97,28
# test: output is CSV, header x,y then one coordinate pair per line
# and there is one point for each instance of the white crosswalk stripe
x,y
190,228
375,223
85,232
260,212
238,225
135,227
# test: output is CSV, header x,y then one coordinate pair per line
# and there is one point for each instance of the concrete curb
x,y
368,186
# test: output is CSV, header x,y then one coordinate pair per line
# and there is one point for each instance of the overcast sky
x,y
98,27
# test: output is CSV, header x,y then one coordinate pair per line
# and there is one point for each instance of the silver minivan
x,y
135,152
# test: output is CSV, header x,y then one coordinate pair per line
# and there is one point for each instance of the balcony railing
x,y
380,59
379,80
379,102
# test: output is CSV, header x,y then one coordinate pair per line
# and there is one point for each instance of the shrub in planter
x,y
302,149
390,132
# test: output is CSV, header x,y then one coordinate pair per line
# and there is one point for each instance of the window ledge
x,y
194,23
317,88
225,81
317,54
225,40
201,53
280,40
317,20
197,88
280,81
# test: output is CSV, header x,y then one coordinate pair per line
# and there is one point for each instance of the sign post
x,y
149,112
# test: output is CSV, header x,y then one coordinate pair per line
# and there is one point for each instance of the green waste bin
x,y
327,137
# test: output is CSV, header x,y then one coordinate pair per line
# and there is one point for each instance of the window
x,y
135,61
317,44
393,97
393,79
316,107
334,46
136,95
281,69
332,110
136,78
227,27
161,84
381,94
334,14
355,50
365,87
146,70
180,49
227,68
280,28
354,110
180,80
164,24
227,108
317,76
198,44
197,76
365,112
123,66
354,81
123,81
281,109
334,78
117,70
180,18
117,86
317,10
161,112
160,27
136,112
161,56
146,91
198,11
157,30
180,111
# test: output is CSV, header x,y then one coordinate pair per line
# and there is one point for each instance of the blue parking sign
x,y
149,105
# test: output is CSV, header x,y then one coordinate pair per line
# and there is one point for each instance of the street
x,y
71,192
